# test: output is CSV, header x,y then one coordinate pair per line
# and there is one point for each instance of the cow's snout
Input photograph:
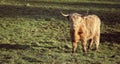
x,y
75,26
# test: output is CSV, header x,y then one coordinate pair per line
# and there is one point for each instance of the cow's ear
x,y
68,18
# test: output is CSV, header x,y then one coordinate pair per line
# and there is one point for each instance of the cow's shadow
x,y
14,46
110,37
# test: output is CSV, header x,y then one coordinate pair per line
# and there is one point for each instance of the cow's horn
x,y
87,12
64,14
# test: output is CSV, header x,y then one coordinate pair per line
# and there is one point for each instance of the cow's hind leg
x,y
90,44
97,39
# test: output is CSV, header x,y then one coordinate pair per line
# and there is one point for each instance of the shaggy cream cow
x,y
84,28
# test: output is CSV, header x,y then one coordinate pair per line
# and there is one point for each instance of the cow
x,y
85,29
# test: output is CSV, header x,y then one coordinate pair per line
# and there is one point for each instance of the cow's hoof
x,y
74,54
98,51
85,53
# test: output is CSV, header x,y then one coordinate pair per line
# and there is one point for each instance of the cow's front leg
x,y
74,45
74,38
84,41
75,42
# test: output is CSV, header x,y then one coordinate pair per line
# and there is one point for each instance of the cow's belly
x,y
90,35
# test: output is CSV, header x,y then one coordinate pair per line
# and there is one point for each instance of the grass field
x,y
34,32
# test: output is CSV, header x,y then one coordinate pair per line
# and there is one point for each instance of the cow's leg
x,y
75,38
74,45
90,44
84,41
97,39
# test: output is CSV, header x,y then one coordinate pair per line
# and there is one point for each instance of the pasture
x,y
34,32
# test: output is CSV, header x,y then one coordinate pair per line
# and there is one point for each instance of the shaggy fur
x,y
84,28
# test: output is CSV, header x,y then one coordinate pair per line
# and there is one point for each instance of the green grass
x,y
34,32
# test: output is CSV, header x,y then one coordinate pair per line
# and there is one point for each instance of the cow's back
x,y
92,23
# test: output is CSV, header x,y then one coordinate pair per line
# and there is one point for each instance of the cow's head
x,y
74,19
